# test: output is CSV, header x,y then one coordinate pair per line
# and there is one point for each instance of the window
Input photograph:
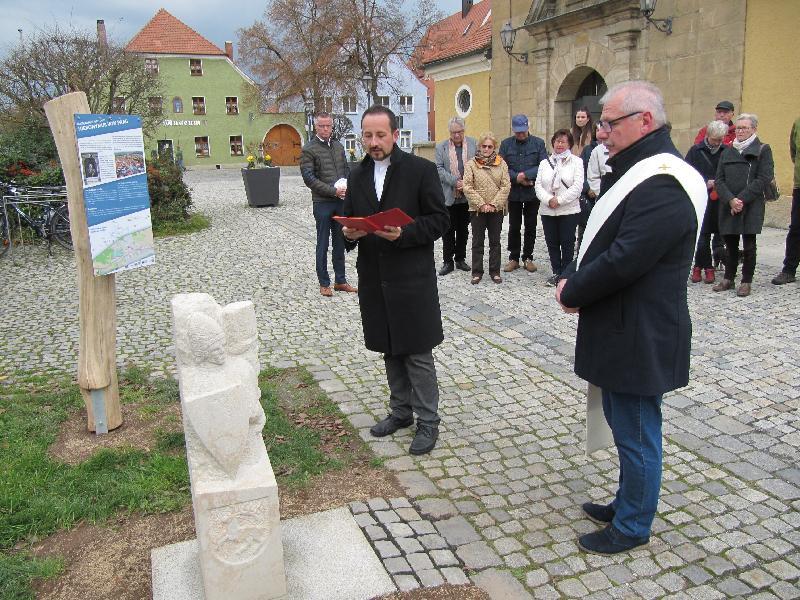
x,y
118,105
324,104
201,146
399,121
407,104
196,66
232,105
236,145
405,140
349,104
198,105
155,104
350,144
177,104
382,101
463,101
151,65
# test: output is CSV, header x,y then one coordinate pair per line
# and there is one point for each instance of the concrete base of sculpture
x,y
326,557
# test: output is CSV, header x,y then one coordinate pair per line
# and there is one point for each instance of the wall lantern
x,y
507,36
648,7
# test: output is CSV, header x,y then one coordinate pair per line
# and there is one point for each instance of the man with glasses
x,y
451,156
628,286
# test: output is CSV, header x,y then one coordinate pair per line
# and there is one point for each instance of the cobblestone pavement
x,y
509,465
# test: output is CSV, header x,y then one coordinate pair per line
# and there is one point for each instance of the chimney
x,y
102,39
466,5
229,50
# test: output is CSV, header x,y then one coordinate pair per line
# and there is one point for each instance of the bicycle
x,y
47,217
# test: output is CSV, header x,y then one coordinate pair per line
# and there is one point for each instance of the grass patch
x,y
17,571
195,222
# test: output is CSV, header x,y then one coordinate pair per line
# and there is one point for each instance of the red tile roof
x,y
457,35
165,34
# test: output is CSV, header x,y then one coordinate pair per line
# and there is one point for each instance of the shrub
x,y
170,199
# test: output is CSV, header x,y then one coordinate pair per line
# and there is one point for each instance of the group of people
x,y
627,285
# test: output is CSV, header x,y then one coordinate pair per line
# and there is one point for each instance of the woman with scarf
x,y
745,170
583,133
486,186
559,183
704,156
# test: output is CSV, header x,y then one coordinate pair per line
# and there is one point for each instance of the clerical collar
x,y
383,164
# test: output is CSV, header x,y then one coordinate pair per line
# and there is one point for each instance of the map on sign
x,y
113,171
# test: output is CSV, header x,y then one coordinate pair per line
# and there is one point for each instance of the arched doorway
x,y
283,144
582,87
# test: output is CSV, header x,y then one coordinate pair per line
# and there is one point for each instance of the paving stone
x,y
387,516
430,578
397,566
358,507
399,503
731,586
454,576
443,558
478,555
378,504
409,545
375,532
457,531
386,549
422,527
364,520
406,583
757,578
432,541
399,530
436,508
500,585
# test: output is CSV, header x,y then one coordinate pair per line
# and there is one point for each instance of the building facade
x,y
210,107
737,50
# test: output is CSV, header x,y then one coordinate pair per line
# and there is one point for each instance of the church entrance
x,y
582,87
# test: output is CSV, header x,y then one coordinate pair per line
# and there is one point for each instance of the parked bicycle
x,y
42,209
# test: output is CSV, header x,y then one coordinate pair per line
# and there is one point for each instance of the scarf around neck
x,y
559,160
488,161
454,164
711,148
744,143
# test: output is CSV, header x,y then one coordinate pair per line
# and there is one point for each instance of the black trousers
x,y
516,212
559,234
454,241
792,258
481,223
748,256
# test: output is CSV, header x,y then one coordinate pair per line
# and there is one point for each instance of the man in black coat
x,y
398,295
629,286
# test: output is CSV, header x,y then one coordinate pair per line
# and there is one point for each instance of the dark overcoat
x,y
744,175
397,288
705,162
634,331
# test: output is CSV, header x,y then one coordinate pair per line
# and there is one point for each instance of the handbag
x,y
771,191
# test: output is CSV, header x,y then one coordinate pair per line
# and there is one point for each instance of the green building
x,y
211,115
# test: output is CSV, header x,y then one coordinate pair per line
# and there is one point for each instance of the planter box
x,y
262,186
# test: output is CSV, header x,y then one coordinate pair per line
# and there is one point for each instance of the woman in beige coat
x,y
486,186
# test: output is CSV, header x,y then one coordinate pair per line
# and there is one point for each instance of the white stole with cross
x,y
598,433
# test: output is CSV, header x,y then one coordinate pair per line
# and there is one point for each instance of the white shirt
x,y
597,167
381,166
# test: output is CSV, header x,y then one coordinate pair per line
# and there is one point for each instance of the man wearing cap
x,y
724,113
522,152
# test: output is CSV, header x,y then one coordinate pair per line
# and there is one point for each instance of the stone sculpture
x,y
234,492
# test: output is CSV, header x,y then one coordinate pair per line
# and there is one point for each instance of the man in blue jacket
x,y
522,152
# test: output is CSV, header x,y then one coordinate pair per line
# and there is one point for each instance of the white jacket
x,y
597,167
568,191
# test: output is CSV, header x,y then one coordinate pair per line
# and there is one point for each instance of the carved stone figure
x,y
234,492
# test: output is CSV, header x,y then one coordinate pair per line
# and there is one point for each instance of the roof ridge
x,y
165,33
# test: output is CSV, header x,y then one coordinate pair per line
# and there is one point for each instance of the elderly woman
x,y
558,186
745,170
486,186
704,156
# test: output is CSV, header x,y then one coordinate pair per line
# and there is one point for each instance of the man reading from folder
x,y
397,293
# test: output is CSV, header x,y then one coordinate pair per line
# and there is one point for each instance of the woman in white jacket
x,y
559,183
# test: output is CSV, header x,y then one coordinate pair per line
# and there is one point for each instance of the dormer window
x,y
467,29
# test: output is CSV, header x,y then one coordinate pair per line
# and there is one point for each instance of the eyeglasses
x,y
608,126
743,127
459,132
487,145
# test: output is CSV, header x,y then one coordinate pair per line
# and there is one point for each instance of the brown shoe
x,y
744,290
530,266
723,286
344,287
325,291
511,265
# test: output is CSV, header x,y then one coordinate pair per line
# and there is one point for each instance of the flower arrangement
x,y
251,161
268,160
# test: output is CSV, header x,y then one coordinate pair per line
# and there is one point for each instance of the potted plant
x,y
261,181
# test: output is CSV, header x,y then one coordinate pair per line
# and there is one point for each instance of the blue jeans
x,y
635,422
329,230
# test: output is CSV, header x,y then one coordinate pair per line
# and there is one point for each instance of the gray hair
x,y
639,96
456,121
749,117
716,129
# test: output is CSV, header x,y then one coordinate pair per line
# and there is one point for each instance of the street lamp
x,y
309,108
647,8
367,80
507,36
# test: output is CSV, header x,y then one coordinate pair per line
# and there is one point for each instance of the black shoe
x,y
783,278
609,541
425,439
599,513
446,269
462,266
552,281
389,425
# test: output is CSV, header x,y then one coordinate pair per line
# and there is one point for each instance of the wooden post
x,y
97,363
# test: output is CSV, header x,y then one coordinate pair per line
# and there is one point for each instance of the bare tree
x,y
56,61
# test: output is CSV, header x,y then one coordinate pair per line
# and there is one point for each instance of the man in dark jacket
x,y
629,285
522,152
398,295
324,169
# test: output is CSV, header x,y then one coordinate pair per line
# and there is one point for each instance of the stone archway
x,y
283,143
583,86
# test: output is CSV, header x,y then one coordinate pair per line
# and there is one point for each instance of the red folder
x,y
394,217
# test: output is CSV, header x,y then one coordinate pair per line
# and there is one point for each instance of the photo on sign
x,y
90,167
129,163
